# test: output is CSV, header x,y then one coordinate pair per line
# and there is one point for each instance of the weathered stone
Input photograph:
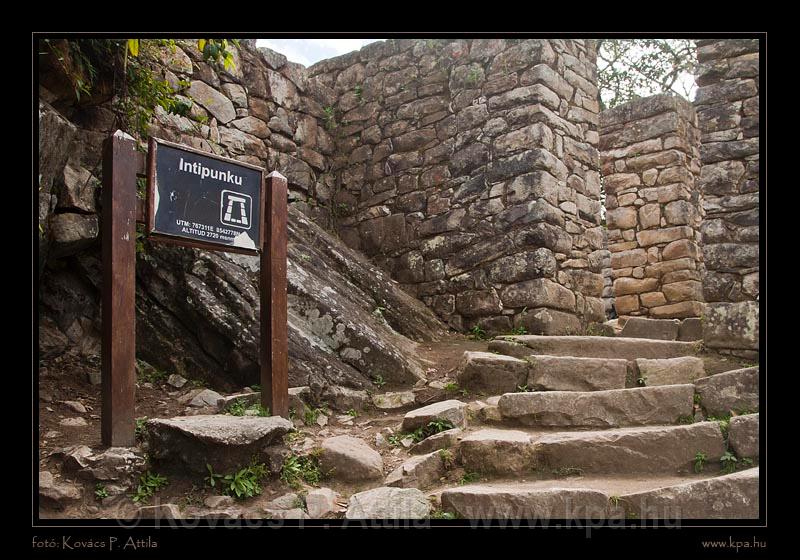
x,y
691,329
623,217
732,391
732,496
540,292
252,125
732,325
618,407
393,401
593,347
625,286
679,310
503,452
72,233
206,397
215,502
683,291
546,321
213,101
492,374
650,449
77,190
658,329
664,235
476,303
349,458
388,503
73,422
286,501
670,371
442,440
320,502
226,442
743,436
57,495
343,399
293,513
513,502
159,511
452,411
420,471
564,373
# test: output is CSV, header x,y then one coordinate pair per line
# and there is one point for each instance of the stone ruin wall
x,y
727,105
469,171
650,160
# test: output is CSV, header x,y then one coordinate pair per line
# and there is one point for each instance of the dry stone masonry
x,y
727,105
650,162
469,170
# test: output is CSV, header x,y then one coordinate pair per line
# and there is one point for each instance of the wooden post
x,y
118,348
274,331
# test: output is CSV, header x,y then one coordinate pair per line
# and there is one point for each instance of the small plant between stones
x,y
477,333
469,478
298,469
239,407
241,484
100,492
700,459
149,484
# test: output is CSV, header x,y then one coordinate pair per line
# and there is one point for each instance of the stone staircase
x,y
547,427
605,427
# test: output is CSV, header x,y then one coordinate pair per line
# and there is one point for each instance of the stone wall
x,y
197,311
727,105
650,160
468,169
727,108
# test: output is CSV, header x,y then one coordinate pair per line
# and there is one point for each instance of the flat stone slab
x,y
656,329
599,409
566,373
454,411
388,503
670,371
442,440
593,347
351,459
492,374
664,449
224,441
743,436
420,471
732,496
394,401
498,451
487,502
320,502
735,390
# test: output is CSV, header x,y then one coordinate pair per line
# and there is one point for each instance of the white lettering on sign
x,y
206,172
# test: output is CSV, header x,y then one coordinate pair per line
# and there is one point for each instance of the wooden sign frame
x,y
152,179
121,210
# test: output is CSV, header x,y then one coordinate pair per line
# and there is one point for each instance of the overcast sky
x,y
309,51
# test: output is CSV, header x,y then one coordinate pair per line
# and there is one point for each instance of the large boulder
x,y
225,442
731,391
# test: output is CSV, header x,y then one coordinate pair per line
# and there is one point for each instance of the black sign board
x,y
202,200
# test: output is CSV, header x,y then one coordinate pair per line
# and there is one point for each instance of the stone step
x,y
592,347
648,449
495,374
743,436
663,329
665,404
733,496
731,391
225,442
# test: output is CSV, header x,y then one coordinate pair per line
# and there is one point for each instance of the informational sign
x,y
202,200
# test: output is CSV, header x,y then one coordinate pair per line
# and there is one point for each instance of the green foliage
x,y
150,374
746,462
686,419
469,478
298,469
642,381
452,387
448,458
312,414
378,380
433,427
729,462
631,68
568,471
614,500
217,52
697,399
440,514
524,389
140,427
520,330
473,76
149,484
239,407
700,459
100,492
352,412
359,91
241,484
255,387
477,333
724,422
330,118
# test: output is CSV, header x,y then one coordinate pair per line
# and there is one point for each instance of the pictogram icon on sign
x,y
235,209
